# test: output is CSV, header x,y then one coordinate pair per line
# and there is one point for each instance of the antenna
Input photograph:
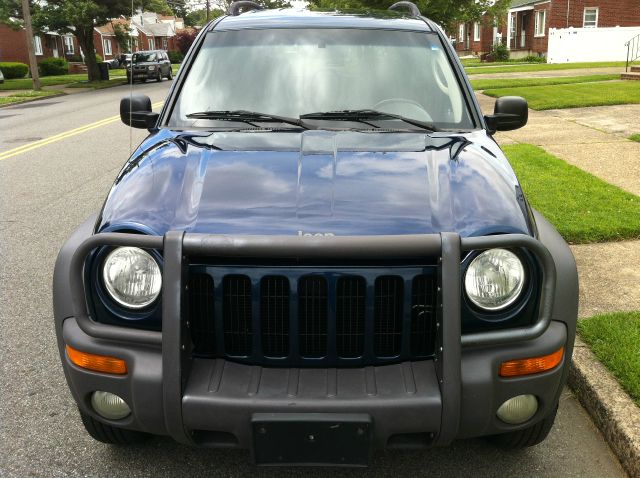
x,y
236,8
415,11
130,83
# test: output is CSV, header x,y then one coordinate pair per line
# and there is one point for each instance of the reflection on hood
x,y
345,183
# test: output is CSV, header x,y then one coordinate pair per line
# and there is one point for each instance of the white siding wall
x,y
570,45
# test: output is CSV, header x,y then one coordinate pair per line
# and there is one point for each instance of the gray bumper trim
x,y
178,246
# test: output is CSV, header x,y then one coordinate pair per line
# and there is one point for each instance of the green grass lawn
x,y
527,82
635,137
581,206
518,68
615,339
574,95
27,84
24,96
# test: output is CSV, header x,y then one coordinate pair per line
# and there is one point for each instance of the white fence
x,y
570,45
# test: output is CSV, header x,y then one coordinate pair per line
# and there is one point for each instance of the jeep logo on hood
x,y
317,234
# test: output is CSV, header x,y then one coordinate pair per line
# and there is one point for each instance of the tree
x,y
444,12
10,13
80,17
184,39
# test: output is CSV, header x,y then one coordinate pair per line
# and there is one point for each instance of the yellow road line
x,y
60,136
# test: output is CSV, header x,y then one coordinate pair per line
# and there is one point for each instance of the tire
x,y
526,437
112,435
159,77
170,75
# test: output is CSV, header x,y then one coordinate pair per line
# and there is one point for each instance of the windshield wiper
x,y
249,117
362,116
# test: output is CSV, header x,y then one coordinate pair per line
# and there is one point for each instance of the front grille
x,y
350,304
388,316
312,316
274,316
236,312
323,319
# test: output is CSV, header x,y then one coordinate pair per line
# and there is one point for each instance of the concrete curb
x,y
612,410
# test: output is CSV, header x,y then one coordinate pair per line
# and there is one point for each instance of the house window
x,y
106,47
68,44
541,17
152,44
461,32
590,18
476,31
37,45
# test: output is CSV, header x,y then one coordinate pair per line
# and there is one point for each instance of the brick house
x,y
13,45
525,29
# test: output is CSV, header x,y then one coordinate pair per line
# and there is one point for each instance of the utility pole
x,y
208,9
33,65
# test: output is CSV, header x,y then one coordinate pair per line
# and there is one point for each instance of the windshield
x,y
293,72
142,57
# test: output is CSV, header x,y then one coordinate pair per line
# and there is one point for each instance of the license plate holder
x,y
312,439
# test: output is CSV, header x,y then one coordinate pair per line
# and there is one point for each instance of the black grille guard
x,y
178,246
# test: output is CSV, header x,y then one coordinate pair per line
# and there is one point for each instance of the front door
x,y
54,46
523,32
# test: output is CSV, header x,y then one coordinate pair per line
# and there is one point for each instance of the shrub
x,y
76,58
11,70
533,59
53,66
500,52
175,56
99,58
184,39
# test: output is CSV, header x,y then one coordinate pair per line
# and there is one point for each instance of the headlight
x,y
494,279
132,277
152,67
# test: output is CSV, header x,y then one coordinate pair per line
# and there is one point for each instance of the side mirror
x,y
509,113
135,111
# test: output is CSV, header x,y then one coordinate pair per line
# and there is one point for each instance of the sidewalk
x,y
609,273
610,157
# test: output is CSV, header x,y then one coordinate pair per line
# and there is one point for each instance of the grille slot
x,y
200,313
312,316
350,314
423,316
237,315
274,315
388,302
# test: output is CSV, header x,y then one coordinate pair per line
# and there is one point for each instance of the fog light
x,y
518,409
109,405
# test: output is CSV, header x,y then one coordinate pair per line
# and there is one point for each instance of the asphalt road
x,y
45,192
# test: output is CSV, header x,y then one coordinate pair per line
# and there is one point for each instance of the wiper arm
x,y
363,115
248,117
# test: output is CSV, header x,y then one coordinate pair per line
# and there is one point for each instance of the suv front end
x,y
345,282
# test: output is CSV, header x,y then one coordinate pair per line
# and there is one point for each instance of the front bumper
x,y
404,400
213,402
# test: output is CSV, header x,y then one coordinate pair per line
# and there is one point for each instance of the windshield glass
x,y
292,72
142,57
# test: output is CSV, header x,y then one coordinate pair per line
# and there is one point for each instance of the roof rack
x,y
415,11
236,8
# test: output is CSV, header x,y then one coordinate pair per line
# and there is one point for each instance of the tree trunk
x,y
85,39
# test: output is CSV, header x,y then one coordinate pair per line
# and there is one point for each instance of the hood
x,y
316,182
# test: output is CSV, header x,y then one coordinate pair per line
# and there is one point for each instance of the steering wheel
x,y
422,115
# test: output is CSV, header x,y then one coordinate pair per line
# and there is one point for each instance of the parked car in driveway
x,y
315,254
149,65
1,77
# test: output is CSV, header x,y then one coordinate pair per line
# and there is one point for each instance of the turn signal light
x,y
528,366
97,363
